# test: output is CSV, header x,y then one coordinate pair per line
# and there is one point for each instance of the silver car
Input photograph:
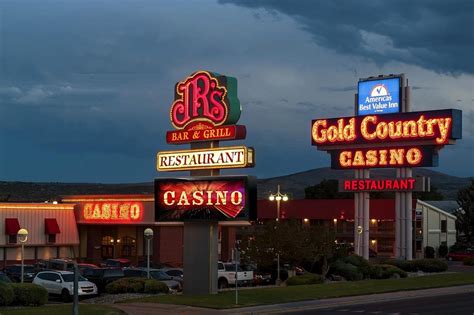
x,y
62,283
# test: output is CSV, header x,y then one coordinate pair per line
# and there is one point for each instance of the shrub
x,y
363,265
386,271
468,261
6,294
442,250
26,294
153,286
348,271
431,265
405,265
126,285
429,252
307,278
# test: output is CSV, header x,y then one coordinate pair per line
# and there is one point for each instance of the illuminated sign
x,y
436,127
205,97
384,157
215,158
386,184
206,132
112,212
379,96
205,198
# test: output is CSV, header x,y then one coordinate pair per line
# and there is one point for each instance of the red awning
x,y
12,226
51,226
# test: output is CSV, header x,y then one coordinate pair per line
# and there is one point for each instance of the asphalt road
x,y
458,304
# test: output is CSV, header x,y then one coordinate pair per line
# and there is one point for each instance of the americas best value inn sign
x,y
389,140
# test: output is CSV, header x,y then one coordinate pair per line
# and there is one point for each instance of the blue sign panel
x,y
379,97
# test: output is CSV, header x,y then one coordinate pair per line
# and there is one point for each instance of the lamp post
x,y
22,237
148,233
278,197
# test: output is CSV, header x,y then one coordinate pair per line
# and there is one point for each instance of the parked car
x,y
468,253
154,274
4,278
116,263
82,267
226,275
174,273
56,264
62,283
103,276
154,265
14,272
259,277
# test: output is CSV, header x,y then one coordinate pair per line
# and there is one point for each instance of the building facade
x,y
52,231
93,228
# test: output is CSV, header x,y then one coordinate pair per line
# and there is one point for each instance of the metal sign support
x,y
201,245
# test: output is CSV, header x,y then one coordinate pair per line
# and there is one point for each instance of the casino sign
x,y
410,139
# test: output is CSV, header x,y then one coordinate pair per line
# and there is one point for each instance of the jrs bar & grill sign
x,y
205,108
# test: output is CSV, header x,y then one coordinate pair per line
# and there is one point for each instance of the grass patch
x,y
253,297
62,309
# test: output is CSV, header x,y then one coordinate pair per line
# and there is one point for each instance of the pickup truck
x,y
226,275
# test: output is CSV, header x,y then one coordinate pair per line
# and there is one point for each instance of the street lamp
x,y
278,197
22,237
148,233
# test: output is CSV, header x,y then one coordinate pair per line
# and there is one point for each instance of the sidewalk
x,y
168,309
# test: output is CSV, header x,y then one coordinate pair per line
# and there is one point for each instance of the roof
x,y
326,209
449,206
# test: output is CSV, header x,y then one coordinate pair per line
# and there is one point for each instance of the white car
x,y
62,283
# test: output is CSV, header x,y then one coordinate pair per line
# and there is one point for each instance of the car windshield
x,y
70,277
160,275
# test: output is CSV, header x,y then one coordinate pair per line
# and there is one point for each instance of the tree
x,y
326,189
433,194
296,243
465,215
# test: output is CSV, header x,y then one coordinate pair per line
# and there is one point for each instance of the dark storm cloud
x,y
435,35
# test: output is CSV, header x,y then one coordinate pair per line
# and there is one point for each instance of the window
x,y
444,226
107,240
128,246
51,238
12,239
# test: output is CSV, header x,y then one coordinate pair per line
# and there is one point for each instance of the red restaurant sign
x,y
395,184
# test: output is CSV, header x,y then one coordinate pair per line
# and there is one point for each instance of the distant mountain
x,y
293,185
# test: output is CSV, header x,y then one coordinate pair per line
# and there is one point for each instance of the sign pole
x,y
201,245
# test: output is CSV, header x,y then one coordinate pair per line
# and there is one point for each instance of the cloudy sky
x,y
86,86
